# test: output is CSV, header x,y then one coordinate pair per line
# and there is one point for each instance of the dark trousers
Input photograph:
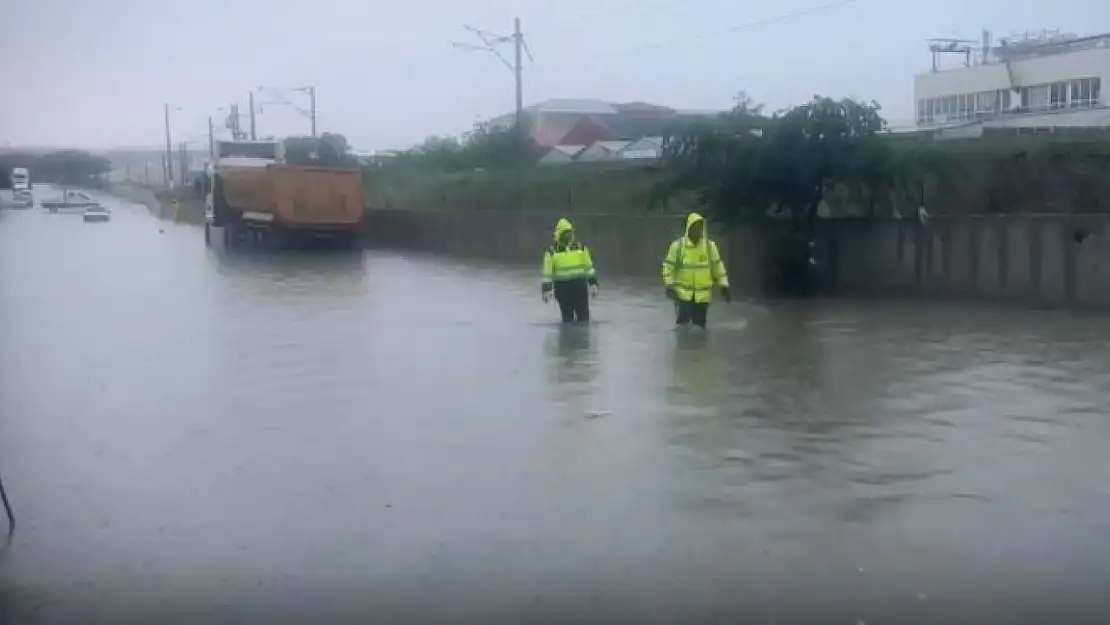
x,y
574,300
691,312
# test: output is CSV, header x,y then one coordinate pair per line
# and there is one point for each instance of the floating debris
x,y
737,454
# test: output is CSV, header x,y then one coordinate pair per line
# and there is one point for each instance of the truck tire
x,y
277,238
231,237
219,204
346,240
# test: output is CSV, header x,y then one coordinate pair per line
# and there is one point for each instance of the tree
x,y
66,167
746,166
327,150
484,147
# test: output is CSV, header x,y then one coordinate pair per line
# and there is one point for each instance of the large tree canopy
x,y
745,165
327,150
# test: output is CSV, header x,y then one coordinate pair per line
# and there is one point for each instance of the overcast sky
x,y
95,73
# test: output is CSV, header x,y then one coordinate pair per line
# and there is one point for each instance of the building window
x,y
1057,95
1084,93
1035,98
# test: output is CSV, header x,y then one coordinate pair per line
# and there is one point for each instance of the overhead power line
x,y
490,42
718,32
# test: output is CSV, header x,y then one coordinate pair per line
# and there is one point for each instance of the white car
x,y
97,213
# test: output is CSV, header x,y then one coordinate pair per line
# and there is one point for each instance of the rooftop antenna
x,y
490,42
951,46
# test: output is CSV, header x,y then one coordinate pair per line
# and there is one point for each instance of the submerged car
x,y
97,213
70,200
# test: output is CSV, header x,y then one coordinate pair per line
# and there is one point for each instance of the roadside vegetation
x,y
64,167
826,156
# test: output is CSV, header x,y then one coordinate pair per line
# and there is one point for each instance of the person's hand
x,y
546,296
593,290
725,293
669,293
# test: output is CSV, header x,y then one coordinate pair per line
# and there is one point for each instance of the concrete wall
x,y
1050,259
1042,259
620,244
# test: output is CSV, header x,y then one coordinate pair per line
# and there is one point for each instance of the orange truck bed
x,y
298,197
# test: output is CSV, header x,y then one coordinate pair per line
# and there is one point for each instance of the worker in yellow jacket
x,y
691,269
568,274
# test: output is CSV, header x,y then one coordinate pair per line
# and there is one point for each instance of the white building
x,y
1029,81
561,154
646,148
602,151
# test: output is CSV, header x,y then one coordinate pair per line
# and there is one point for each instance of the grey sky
x,y
94,73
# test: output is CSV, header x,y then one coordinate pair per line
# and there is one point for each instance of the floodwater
x,y
378,437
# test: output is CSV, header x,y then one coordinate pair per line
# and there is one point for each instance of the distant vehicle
x,y
97,213
21,179
256,195
23,199
70,199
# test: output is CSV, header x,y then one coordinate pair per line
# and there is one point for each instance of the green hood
x,y
562,226
692,219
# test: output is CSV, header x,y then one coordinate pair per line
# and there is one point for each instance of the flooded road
x,y
342,438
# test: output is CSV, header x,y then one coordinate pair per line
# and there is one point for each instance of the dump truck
x,y
256,197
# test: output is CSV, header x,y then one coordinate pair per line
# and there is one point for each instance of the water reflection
x,y
572,353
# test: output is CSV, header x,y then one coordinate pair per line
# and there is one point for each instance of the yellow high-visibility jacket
x,y
694,269
567,262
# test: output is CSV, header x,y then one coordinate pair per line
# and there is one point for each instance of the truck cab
x,y
21,179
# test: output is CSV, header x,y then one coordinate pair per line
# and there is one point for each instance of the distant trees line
x,y
65,167
484,147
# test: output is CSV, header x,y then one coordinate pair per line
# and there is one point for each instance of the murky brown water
x,y
337,438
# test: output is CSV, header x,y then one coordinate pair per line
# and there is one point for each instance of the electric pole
x,y
234,119
312,108
253,135
490,42
211,142
184,164
169,149
280,98
518,43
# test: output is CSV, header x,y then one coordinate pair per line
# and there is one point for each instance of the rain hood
x,y
562,226
692,219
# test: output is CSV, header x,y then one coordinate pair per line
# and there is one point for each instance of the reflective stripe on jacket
x,y
694,269
571,261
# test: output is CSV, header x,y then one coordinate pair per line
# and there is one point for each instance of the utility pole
x,y
211,141
234,108
253,135
518,72
281,98
184,164
312,108
169,149
490,41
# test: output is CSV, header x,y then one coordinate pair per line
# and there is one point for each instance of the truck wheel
x,y
347,240
231,239
276,239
